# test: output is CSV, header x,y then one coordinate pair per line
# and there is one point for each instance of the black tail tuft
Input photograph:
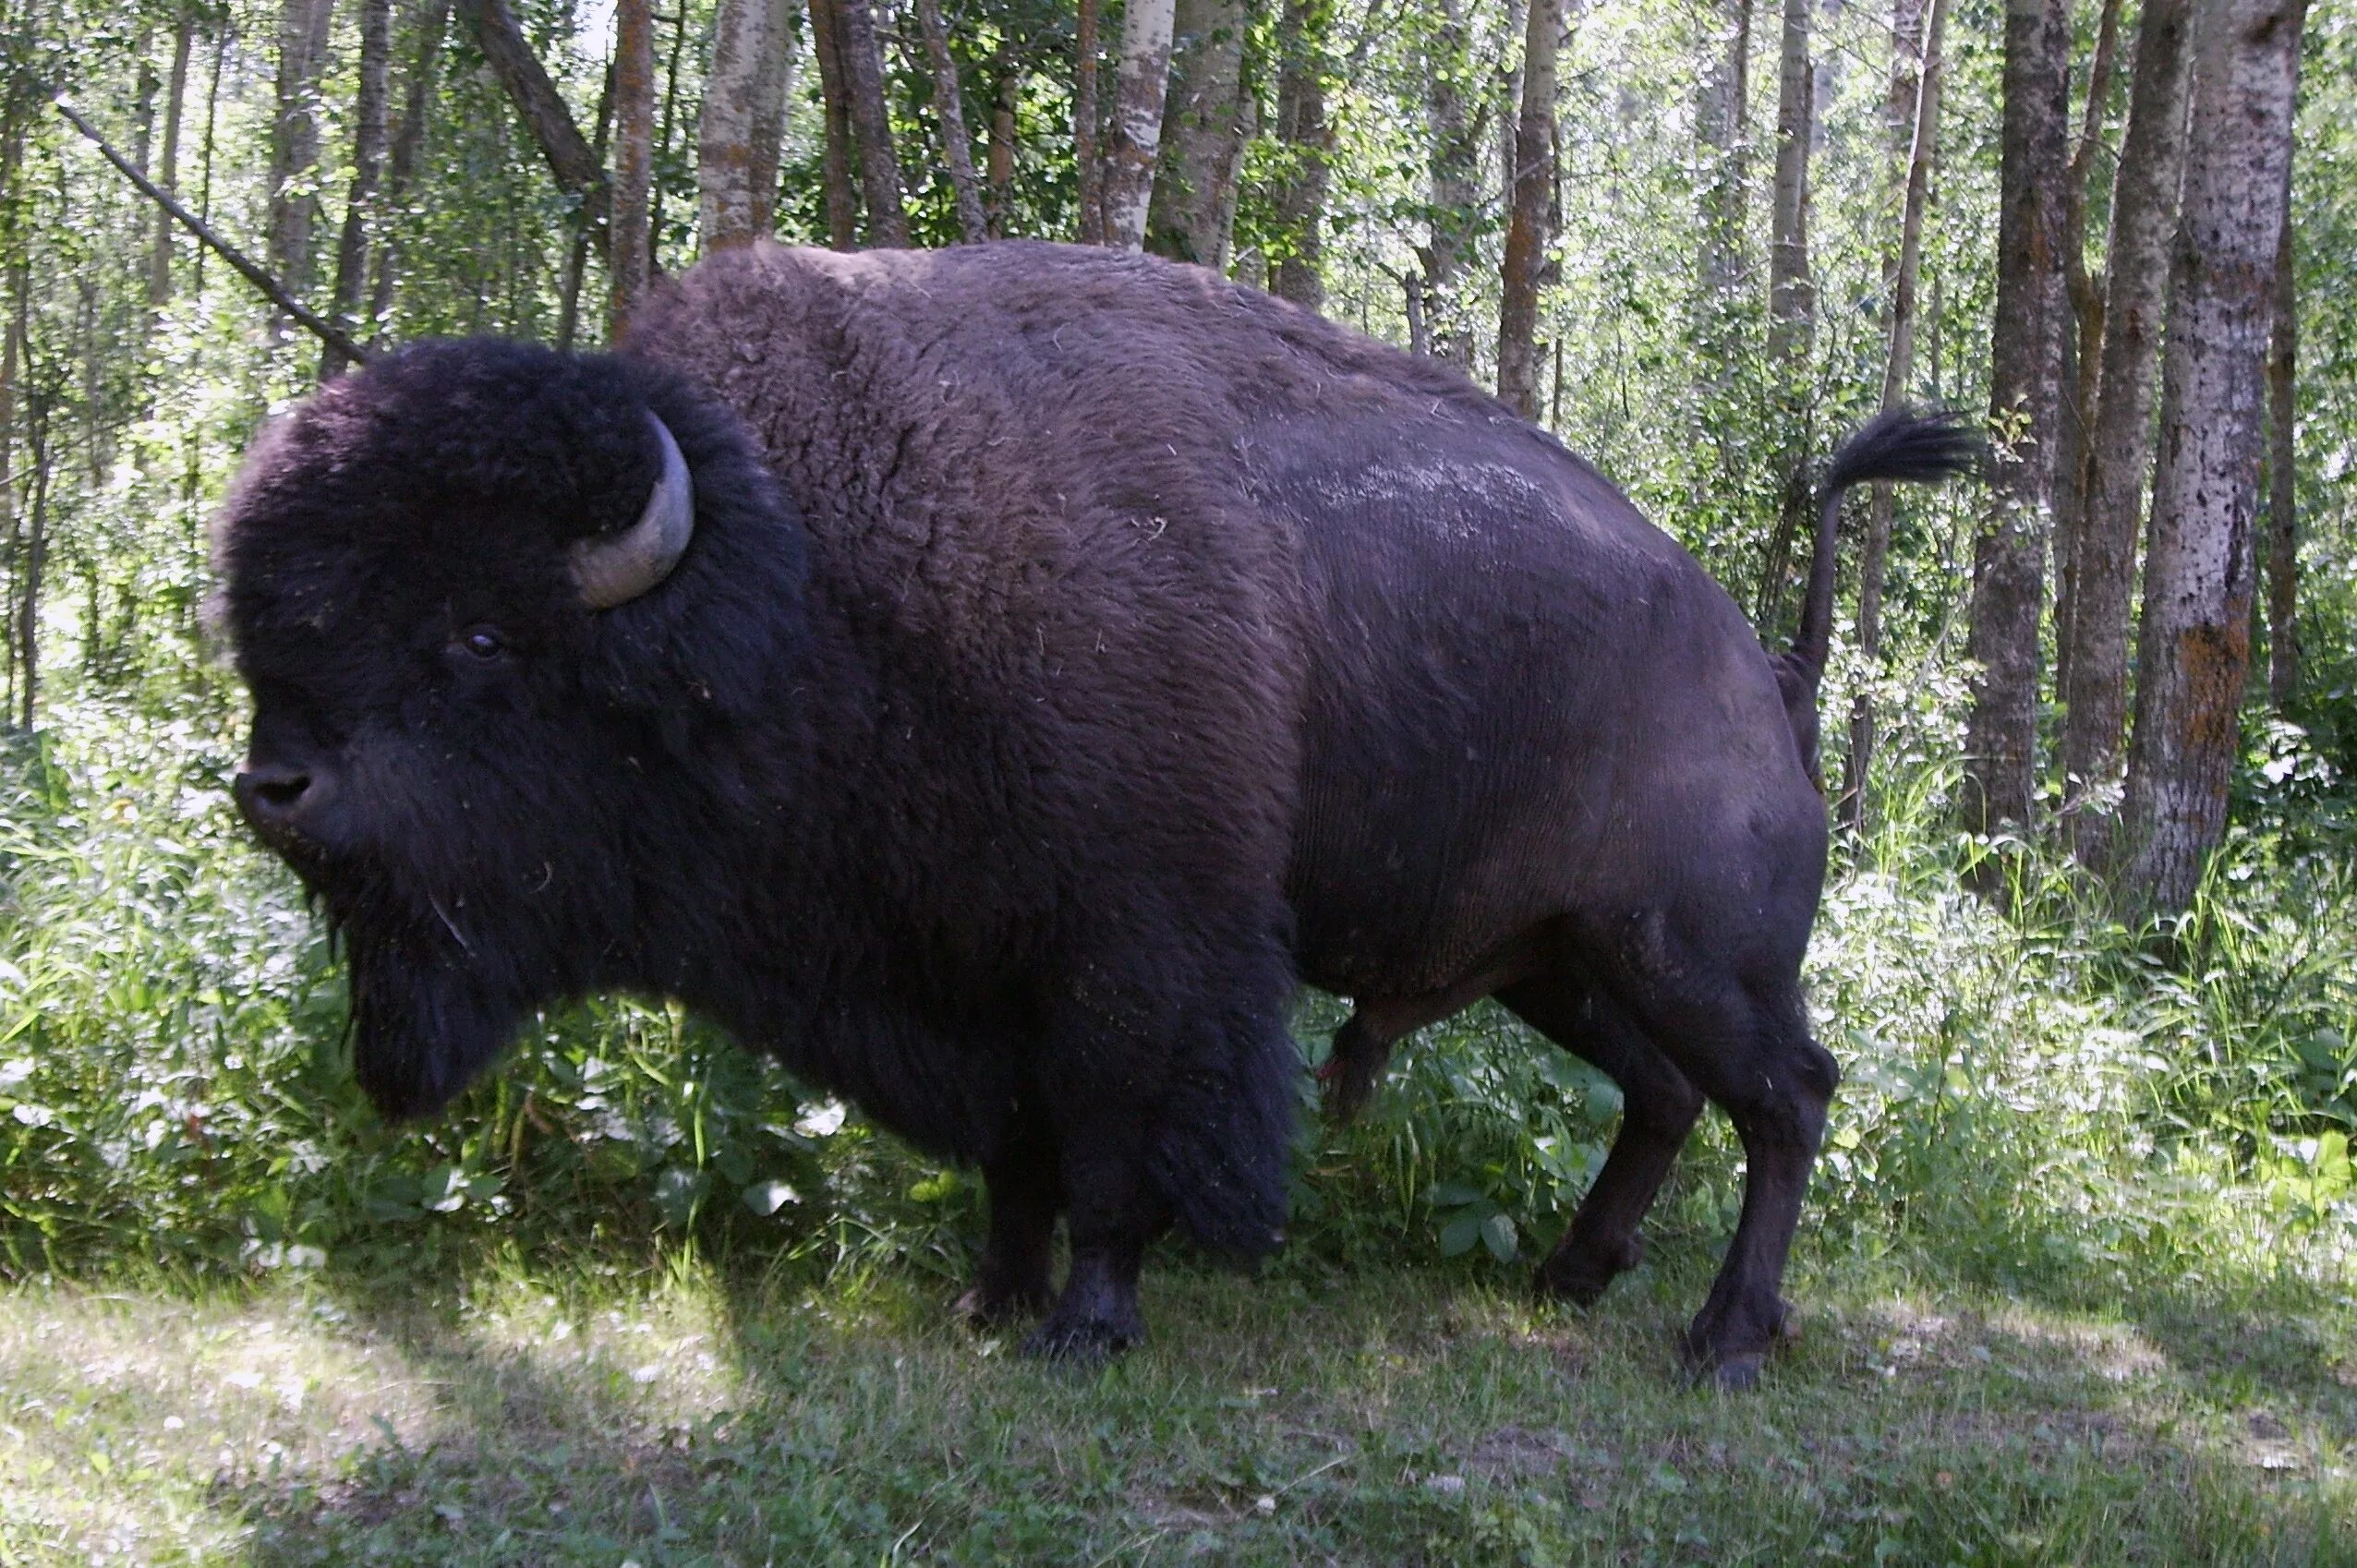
x,y
1897,445
1220,1156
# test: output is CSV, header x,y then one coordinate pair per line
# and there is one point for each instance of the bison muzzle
x,y
991,681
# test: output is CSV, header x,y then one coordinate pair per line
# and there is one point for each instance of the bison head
x,y
511,621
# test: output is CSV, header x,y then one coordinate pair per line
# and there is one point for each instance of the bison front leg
x,y
1026,1193
1114,1214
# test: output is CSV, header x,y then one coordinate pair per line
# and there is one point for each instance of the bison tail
x,y
1219,1154
1896,445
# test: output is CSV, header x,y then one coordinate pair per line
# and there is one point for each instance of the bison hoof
x,y
1582,1277
1085,1341
993,1306
1738,1374
1732,1361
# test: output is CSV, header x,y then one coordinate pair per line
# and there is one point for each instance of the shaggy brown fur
x,y
1073,652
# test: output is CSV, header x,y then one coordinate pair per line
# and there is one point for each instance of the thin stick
x,y
317,327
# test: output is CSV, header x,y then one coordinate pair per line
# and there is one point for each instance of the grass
x,y
578,1410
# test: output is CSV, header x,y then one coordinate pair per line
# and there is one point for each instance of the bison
x,y
991,681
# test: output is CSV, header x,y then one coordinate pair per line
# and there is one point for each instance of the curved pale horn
x,y
613,569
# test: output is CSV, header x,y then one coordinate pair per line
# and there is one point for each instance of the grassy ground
x,y
585,1412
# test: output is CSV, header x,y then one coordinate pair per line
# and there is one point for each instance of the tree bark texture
x,y
1456,143
1192,213
2083,359
879,167
737,133
949,113
2283,504
1721,126
2026,375
1305,136
629,255
842,195
1529,229
1133,141
184,31
294,140
1790,307
2194,645
1898,374
2143,220
1088,124
1006,88
368,132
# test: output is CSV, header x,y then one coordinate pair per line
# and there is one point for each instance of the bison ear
x,y
614,569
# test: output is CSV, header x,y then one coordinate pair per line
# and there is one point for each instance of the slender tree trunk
x,y
1529,229
401,161
1005,96
1791,299
1898,372
2083,345
1721,124
1133,144
2283,507
1455,144
576,259
2009,554
950,109
367,170
580,174
294,142
628,254
2143,220
1306,139
1202,133
732,200
663,141
1088,124
33,562
204,153
2194,647
879,169
842,195
184,32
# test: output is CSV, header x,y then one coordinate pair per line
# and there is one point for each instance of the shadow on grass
x,y
1320,1413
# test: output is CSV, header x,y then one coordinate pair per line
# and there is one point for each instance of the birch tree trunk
x,y
2144,219
1456,184
294,140
842,195
367,170
1898,373
1193,205
1088,125
2283,509
950,109
2026,389
2082,344
629,260
879,167
743,117
1306,137
1528,231
1721,121
1133,144
2193,645
184,31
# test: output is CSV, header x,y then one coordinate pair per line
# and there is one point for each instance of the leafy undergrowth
x,y
572,1411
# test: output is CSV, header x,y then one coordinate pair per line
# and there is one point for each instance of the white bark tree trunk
x,y
1133,141
744,116
2194,647
1202,133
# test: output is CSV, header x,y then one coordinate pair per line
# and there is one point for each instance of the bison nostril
x,y
273,793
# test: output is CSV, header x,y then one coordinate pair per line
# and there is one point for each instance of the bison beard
x,y
1031,664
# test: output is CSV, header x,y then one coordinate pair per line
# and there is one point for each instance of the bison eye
x,y
483,643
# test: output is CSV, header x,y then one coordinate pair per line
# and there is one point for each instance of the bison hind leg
x,y
1013,1279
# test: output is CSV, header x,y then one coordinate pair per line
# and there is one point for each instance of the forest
x,y
2077,1277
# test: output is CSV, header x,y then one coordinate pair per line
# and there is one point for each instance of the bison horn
x,y
613,569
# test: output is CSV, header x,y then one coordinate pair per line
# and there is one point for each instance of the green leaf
x,y
1458,1235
